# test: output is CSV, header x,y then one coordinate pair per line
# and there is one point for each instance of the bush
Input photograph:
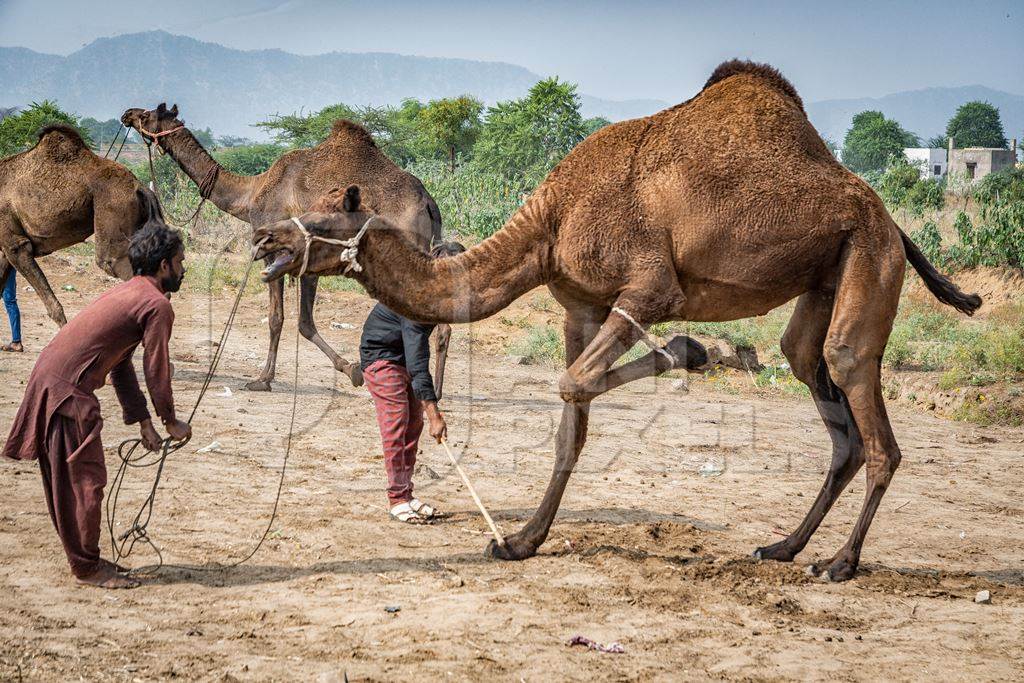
x,y
542,346
929,241
473,202
925,195
249,159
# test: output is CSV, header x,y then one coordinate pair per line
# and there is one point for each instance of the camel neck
x,y
228,192
463,288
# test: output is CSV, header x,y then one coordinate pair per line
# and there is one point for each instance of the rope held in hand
x,y
123,544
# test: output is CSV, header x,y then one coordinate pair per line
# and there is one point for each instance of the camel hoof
x,y
776,552
689,350
841,570
355,374
258,385
510,551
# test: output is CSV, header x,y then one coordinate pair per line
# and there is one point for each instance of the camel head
x,y
338,215
154,121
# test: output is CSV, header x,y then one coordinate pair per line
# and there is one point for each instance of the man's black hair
x,y
152,245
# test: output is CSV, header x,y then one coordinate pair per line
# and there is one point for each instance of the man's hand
x,y
179,430
438,427
150,438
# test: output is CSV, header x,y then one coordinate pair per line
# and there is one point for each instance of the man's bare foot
x,y
107,576
15,347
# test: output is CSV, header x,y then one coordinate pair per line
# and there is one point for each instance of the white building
x,y
930,161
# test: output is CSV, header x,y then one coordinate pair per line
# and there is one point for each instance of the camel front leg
x,y
114,221
23,259
276,320
442,338
581,325
307,328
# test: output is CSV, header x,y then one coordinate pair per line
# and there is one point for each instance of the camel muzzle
x,y
278,266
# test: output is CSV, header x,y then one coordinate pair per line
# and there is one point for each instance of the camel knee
x,y
307,329
842,361
572,390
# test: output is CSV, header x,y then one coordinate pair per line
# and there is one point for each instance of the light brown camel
x,y
348,155
723,207
58,193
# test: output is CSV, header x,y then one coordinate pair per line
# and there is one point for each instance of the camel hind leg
x,y
21,255
865,306
803,345
307,328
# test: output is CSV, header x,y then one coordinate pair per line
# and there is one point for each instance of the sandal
x,y
404,513
13,347
423,510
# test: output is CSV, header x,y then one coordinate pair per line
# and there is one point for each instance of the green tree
x,y
451,125
525,138
20,131
101,132
234,141
296,130
939,141
205,137
976,124
250,159
873,141
594,124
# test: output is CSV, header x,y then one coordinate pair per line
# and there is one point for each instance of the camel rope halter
x,y
350,246
155,137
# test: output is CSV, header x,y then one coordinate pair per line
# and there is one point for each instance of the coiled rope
x,y
134,454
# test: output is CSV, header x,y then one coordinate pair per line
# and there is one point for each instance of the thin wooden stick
x,y
490,522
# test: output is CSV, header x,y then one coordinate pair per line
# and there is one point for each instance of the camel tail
x,y
938,284
149,207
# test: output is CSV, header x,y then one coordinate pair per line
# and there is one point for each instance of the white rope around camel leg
x,y
645,337
498,538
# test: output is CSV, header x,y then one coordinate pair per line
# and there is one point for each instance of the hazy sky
x,y
614,49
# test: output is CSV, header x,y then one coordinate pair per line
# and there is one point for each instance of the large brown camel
x,y
58,193
348,155
723,207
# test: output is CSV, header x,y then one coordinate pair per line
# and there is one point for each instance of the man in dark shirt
x,y
394,354
59,420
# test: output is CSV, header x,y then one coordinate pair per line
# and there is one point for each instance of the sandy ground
x,y
647,551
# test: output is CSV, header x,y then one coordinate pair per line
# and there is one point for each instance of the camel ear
x,y
352,199
161,109
174,111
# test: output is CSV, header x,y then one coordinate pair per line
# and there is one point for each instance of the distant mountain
x,y
924,112
228,90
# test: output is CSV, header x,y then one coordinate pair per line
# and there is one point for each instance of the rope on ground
x,y
128,451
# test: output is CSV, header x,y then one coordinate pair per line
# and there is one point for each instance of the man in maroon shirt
x,y
59,419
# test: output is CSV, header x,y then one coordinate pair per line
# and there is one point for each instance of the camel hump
x,y
61,129
735,67
348,129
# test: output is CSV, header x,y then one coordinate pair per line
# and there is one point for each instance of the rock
x,y
983,598
721,352
711,469
342,326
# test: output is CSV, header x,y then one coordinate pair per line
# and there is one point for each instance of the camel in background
x,y
348,156
58,193
723,207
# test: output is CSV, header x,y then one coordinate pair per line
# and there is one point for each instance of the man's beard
x,y
172,282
